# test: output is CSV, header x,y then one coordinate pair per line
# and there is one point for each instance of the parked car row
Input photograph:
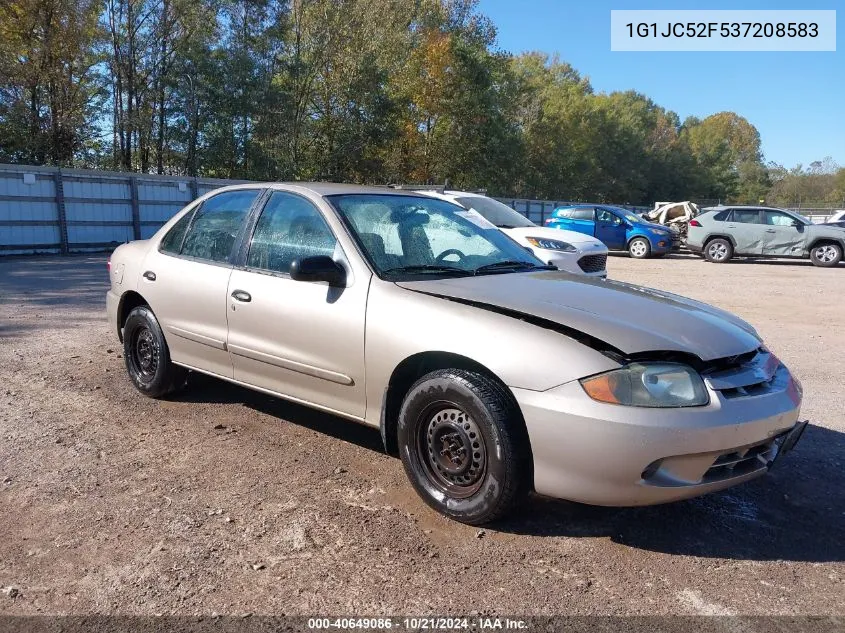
x,y
577,237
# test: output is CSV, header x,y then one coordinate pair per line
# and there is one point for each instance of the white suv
x,y
568,250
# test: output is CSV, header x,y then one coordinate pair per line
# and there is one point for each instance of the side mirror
x,y
797,223
318,268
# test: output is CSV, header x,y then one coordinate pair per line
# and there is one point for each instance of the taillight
x,y
549,220
694,223
108,264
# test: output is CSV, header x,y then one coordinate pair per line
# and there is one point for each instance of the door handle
x,y
150,275
241,295
770,231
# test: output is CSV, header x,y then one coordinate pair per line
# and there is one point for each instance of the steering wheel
x,y
449,251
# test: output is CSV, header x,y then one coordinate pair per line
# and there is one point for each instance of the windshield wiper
x,y
427,268
510,264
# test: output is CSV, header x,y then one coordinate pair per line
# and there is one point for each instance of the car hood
x,y
630,318
573,237
651,226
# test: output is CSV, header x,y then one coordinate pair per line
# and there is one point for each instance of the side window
x,y
582,214
289,228
776,218
722,216
603,215
563,213
746,216
172,242
216,224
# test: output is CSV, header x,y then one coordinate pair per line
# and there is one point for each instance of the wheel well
x,y
825,240
645,237
128,302
710,238
406,374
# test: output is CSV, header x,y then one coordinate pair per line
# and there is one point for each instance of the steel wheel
x,y
452,451
145,353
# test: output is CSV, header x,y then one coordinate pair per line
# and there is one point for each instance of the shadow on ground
x,y
795,513
733,262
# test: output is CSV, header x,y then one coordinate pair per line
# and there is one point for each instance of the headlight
x,y
551,245
649,385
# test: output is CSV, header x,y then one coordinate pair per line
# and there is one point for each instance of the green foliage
x,y
821,182
369,91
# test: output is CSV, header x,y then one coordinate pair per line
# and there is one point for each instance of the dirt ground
x,y
224,500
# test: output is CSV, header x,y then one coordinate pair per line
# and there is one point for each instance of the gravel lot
x,y
224,500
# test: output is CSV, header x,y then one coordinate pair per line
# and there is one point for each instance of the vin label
x,y
728,30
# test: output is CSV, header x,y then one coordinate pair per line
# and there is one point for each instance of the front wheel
x,y
826,255
147,356
639,248
464,446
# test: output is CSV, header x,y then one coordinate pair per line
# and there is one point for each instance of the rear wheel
x,y
718,250
464,446
826,255
147,356
639,248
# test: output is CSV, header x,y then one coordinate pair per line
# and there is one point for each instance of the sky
x,y
796,100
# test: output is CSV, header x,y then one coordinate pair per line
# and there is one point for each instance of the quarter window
x,y
289,228
216,224
721,216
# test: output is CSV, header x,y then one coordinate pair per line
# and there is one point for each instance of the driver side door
x,y
782,237
610,229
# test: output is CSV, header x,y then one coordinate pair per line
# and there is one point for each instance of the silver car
x,y
721,233
489,374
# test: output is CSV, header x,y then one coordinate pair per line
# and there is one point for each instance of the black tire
x,y
147,356
464,446
718,250
639,248
826,255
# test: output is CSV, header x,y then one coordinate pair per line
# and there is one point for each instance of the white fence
x,y
51,210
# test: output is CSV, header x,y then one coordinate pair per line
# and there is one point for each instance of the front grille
x,y
742,461
593,263
752,374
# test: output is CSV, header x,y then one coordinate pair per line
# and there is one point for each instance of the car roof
x,y
724,207
587,205
324,188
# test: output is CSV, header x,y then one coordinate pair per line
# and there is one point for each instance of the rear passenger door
x,y
783,238
186,277
746,228
579,219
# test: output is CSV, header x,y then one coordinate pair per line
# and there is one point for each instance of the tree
x,y
50,90
726,149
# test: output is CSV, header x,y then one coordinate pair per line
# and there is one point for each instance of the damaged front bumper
x,y
605,454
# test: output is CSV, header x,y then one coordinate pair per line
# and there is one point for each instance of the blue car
x,y
619,229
